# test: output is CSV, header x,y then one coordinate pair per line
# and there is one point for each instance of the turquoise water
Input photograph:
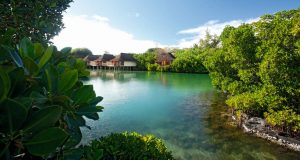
x,y
182,109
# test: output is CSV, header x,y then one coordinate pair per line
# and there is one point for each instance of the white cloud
x,y
100,18
213,27
98,35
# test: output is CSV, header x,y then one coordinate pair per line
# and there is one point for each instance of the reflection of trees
x,y
175,80
185,81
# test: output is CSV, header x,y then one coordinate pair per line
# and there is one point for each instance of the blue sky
x,y
156,23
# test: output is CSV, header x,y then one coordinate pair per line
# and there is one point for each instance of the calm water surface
x,y
182,109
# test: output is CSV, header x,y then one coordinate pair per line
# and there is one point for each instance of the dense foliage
x,y
259,65
188,60
40,20
146,61
127,146
81,52
43,101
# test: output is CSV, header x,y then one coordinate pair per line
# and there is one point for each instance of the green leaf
x,y
52,79
13,114
63,101
98,154
67,80
93,116
73,154
38,98
26,48
74,120
86,110
75,137
5,84
18,84
47,55
15,57
5,53
96,100
43,118
38,49
83,94
53,5
31,66
46,141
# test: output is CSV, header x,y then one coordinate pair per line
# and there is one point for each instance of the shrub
x,y
42,101
127,146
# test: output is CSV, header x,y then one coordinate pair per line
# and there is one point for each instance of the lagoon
x,y
184,110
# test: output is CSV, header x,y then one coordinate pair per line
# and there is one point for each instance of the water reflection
x,y
182,109
109,75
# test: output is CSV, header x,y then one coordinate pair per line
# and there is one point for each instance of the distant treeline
x,y
186,61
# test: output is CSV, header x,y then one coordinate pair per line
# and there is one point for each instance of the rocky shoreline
x,y
258,127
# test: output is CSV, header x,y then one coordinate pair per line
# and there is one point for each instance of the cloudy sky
x,y
136,25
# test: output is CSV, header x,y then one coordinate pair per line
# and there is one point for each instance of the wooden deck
x,y
123,68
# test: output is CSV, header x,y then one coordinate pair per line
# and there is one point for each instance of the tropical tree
x,y
188,60
81,52
40,20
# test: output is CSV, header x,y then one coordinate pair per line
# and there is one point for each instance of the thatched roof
x,y
165,56
124,57
107,57
93,57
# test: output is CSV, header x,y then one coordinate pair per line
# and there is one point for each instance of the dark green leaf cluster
x,y
127,146
42,101
40,20
258,64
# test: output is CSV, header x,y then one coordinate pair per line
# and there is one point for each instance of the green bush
x,y
258,65
43,101
127,146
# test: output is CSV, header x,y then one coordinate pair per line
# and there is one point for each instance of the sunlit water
x,y
182,109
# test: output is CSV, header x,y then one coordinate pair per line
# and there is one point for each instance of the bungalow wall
x,y
110,64
93,63
129,64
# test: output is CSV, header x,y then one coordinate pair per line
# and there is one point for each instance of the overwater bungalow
x,y
105,60
165,58
124,60
93,61
108,61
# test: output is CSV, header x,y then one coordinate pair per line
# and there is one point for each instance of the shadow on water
x,y
182,109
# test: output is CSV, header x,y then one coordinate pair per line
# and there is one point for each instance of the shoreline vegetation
x,y
42,96
256,64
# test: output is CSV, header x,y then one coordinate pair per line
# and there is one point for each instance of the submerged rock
x,y
258,127
255,123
